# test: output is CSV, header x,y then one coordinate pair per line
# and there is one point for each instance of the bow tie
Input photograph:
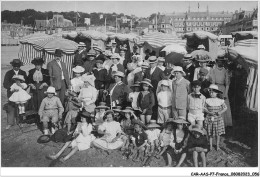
x,y
196,95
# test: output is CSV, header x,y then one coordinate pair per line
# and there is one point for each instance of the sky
x,y
137,8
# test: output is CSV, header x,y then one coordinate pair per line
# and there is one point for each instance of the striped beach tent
x,y
124,37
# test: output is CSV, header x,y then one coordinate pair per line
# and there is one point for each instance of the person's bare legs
x,y
203,157
183,156
169,158
61,151
68,127
195,158
72,152
218,140
148,118
210,143
142,117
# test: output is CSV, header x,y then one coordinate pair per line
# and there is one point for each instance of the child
x,y
203,64
19,96
51,109
197,144
83,140
205,83
134,95
214,122
117,112
139,139
100,112
153,134
196,102
76,82
146,101
181,89
164,97
101,75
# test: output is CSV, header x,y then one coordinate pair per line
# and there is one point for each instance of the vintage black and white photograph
x,y
129,84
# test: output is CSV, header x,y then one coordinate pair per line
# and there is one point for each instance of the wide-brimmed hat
x,y
153,124
180,121
117,109
136,84
221,55
202,59
165,83
78,69
146,81
145,65
85,114
44,139
214,88
91,52
179,69
187,57
58,53
50,90
115,56
119,73
128,109
89,78
201,46
18,77
167,71
16,63
136,121
197,128
97,48
152,59
161,59
102,105
37,61
203,71
82,44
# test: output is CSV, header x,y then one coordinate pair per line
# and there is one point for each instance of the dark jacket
x,y
189,72
138,76
45,73
8,81
156,76
89,65
119,93
101,57
146,102
205,84
79,59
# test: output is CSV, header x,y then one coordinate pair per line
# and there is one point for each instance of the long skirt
x,y
38,95
227,114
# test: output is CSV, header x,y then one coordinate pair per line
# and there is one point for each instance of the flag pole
x,y
105,24
131,24
116,24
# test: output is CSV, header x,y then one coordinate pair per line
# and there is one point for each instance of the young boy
x,y
51,109
164,98
139,140
197,144
205,83
133,97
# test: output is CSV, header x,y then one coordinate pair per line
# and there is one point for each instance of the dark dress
x,y
189,72
146,102
205,84
89,65
101,76
140,138
197,142
80,58
38,94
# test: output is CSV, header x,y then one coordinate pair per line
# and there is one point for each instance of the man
x,y
189,67
135,48
114,49
91,62
117,91
59,76
116,66
99,53
147,54
11,108
80,55
161,61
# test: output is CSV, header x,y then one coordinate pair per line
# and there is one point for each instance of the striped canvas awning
x,y
124,37
96,35
201,35
157,40
177,48
247,43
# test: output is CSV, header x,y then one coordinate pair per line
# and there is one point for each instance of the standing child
x,y
164,98
205,83
153,134
19,96
133,97
146,101
196,102
197,144
51,109
214,107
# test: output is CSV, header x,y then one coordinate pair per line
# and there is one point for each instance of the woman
x,y
178,147
135,70
111,131
38,80
220,77
203,64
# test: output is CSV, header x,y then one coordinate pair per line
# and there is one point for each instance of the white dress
x,y
197,70
76,84
21,96
85,138
153,134
89,96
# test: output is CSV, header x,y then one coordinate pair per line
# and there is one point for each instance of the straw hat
x,y
115,55
153,124
152,59
78,69
214,88
136,121
145,65
58,53
165,83
197,128
128,110
16,63
108,53
179,69
89,78
147,81
136,84
82,44
18,77
51,90
161,59
97,48
117,109
37,61
187,57
119,73
102,105
91,52
180,121
201,47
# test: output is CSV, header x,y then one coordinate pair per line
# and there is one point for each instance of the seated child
x,y
82,138
51,109
153,134
100,112
139,139
196,102
197,144
118,113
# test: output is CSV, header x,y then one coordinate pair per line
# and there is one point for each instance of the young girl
x,y
153,134
76,82
203,64
146,101
100,112
118,113
83,140
214,122
134,95
197,144
51,109
19,96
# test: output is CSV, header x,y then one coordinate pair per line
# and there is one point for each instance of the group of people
x,y
118,100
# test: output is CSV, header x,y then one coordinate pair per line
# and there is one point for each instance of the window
x,y
202,29
163,26
188,29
